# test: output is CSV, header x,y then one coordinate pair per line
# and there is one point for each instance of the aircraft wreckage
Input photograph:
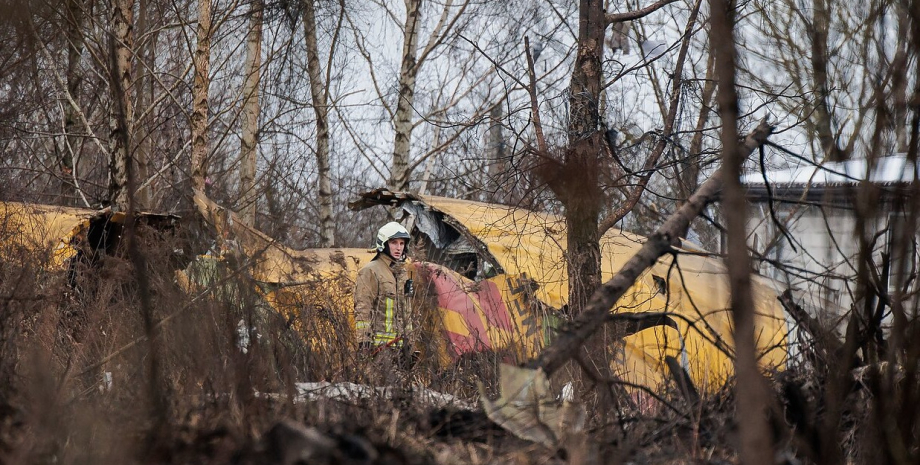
x,y
57,238
494,278
491,277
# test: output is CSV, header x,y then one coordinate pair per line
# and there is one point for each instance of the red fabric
x,y
457,294
490,298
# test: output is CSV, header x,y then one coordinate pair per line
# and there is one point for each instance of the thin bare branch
x,y
636,14
658,244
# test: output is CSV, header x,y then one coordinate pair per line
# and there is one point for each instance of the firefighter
x,y
383,318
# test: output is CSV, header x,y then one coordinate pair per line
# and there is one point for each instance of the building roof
x,y
832,181
888,170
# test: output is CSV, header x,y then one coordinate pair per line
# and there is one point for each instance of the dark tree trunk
x,y
577,185
580,192
750,388
121,124
72,124
820,25
598,310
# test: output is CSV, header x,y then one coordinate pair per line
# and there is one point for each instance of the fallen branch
x,y
658,244
825,344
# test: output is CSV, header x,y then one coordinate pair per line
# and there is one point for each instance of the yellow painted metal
x,y
50,235
47,233
272,262
455,323
526,339
693,287
503,307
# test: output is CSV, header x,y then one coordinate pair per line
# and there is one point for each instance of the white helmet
x,y
391,230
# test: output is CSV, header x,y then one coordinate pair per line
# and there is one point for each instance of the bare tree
x,y
824,59
73,21
251,108
576,178
144,94
122,49
412,60
750,390
200,108
319,92
659,243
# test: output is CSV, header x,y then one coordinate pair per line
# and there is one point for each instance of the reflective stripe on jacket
x,y
379,314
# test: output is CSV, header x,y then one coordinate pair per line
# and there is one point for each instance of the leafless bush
x,y
77,359
230,352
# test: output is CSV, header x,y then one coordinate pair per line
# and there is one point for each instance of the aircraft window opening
x,y
440,242
457,258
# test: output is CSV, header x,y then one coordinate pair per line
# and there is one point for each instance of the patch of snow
x,y
106,381
652,47
351,392
568,393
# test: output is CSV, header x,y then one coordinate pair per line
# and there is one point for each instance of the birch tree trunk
x,y
144,97
121,125
199,121
821,14
429,164
408,72
75,45
899,80
320,98
251,110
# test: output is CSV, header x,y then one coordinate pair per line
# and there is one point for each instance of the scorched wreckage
x,y
489,278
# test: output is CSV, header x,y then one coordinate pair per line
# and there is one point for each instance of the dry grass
x,y
82,383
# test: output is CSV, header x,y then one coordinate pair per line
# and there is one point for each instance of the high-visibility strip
x,y
388,321
386,338
360,324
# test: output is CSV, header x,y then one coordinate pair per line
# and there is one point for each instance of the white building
x,y
804,221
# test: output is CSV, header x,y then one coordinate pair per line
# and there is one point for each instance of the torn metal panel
x,y
55,235
692,287
428,222
271,261
453,244
528,409
448,236
460,246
